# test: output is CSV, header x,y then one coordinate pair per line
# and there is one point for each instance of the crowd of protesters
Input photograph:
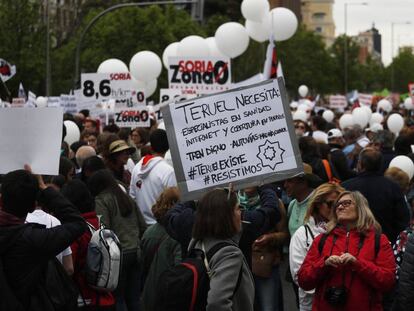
x,y
344,225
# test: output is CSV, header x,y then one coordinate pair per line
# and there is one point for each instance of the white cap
x,y
333,133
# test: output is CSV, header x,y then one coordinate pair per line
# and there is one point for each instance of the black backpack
x,y
185,286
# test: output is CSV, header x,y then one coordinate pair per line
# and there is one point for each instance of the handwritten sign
x,y
39,136
132,117
205,75
244,136
98,87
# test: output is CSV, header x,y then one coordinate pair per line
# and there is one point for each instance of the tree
x,y
403,71
23,37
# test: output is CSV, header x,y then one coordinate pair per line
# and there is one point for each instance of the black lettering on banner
x,y
140,96
174,78
88,89
221,72
118,117
105,88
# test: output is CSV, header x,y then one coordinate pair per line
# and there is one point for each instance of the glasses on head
x,y
344,203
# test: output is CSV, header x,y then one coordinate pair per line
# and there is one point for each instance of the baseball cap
x,y
334,133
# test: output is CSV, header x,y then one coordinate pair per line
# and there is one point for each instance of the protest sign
x,y
337,102
99,87
53,101
411,89
7,70
18,102
244,136
203,75
132,117
31,99
30,136
69,103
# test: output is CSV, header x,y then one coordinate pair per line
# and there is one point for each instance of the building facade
x,y
293,5
317,16
369,45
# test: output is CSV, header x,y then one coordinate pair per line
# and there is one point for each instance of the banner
x,y
205,75
18,102
244,136
98,87
411,89
39,136
132,117
7,70
365,99
68,103
31,99
337,102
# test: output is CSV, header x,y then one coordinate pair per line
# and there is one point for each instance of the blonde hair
x,y
365,220
399,177
319,196
165,201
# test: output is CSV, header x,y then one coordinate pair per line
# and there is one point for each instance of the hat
x,y
334,133
120,145
314,181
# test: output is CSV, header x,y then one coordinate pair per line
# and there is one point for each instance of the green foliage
x,y
403,71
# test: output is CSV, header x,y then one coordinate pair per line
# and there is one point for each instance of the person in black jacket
x,y
180,219
385,197
25,249
405,298
337,156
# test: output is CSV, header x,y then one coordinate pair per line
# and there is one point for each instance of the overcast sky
x,y
382,13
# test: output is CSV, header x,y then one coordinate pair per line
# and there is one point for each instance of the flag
x,y
7,70
21,93
272,67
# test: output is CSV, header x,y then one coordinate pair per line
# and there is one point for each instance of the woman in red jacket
x,y
352,265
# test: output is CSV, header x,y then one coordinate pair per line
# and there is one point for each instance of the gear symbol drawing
x,y
270,154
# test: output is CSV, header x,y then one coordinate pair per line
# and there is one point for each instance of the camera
x,y
336,296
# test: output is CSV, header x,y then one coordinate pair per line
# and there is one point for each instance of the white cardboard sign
x,y
98,87
132,117
30,136
244,136
205,75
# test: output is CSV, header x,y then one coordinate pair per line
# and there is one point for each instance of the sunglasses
x,y
344,203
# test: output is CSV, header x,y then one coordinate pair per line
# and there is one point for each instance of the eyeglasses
x,y
330,204
344,203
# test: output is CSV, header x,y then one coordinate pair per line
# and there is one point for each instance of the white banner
x,y
243,136
69,103
132,117
98,87
337,102
205,75
365,99
53,101
18,102
39,136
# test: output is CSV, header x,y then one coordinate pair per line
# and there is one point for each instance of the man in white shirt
x,y
151,176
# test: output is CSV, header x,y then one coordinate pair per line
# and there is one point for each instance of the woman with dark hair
x,y
120,214
89,299
90,166
217,220
159,251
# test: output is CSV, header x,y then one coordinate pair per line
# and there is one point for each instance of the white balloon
x,y
328,115
405,164
170,51
284,23
300,115
360,117
148,87
214,50
193,46
294,105
232,39
368,111
72,132
41,102
145,66
303,90
408,103
112,65
345,121
304,107
254,10
375,127
384,105
259,32
376,118
395,123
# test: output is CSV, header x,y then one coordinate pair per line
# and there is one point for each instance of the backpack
x,y
376,245
185,286
103,259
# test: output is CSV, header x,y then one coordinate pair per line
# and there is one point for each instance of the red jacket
x,y
79,251
370,277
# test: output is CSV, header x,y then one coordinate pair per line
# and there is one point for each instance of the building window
x,y
319,16
318,29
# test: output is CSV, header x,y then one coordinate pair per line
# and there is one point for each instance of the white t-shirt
x,y
41,217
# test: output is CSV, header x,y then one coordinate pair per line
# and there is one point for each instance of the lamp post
x,y
198,3
392,49
346,42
